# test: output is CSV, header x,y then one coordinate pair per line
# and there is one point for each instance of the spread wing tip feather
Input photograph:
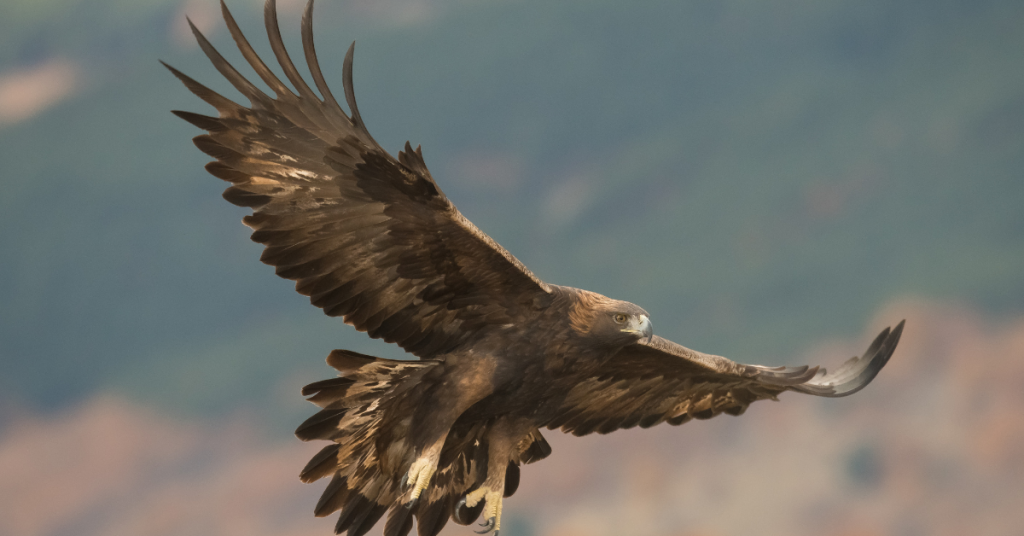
x,y
856,372
786,376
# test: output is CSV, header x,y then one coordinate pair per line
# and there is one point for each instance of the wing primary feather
x,y
350,93
226,173
250,55
856,373
205,122
313,64
785,376
242,198
350,96
214,148
277,45
245,87
211,97
877,343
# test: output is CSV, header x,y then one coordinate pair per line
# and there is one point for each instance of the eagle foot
x,y
420,473
492,509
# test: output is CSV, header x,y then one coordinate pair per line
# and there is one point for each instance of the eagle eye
x,y
620,318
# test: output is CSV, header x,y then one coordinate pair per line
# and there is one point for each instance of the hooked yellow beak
x,y
641,325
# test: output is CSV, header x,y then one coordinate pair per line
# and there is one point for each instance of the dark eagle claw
x,y
465,515
488,526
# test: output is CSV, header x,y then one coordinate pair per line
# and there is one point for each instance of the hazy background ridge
x,y
933,447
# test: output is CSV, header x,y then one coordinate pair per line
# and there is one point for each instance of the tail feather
x,y
367,519
333,498
322,425
534,448
357,509
361,411
399,521
323,393
324,463
347,360
432,517
366,415
511,479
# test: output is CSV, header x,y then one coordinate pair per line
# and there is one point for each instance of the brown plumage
x,y
374,240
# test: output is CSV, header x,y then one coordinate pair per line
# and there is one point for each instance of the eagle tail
x,y
361,415
365,413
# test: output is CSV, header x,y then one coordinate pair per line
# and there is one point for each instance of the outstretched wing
x,y
366,236
657,381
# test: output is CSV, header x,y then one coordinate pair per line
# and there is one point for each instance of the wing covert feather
x,y
366,236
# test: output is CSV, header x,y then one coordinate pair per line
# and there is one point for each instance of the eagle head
x,y
609,322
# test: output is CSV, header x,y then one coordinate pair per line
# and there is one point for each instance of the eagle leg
x,y
502,440
435,424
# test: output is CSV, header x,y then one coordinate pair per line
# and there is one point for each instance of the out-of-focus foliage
x,y
757,176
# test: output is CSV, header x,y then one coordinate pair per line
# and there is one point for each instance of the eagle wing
x,y
657,381
366,236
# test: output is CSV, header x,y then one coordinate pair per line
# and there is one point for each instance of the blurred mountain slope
x,y
932,447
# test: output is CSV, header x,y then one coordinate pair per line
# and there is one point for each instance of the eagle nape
x,y
496,353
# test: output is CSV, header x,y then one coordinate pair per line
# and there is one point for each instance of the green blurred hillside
x,y
757,176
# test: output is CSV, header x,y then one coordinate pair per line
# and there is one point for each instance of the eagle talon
x,y
488,526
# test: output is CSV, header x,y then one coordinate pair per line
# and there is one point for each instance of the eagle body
x,y
529,365
497,353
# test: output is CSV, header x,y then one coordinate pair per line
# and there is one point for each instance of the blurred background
x,y
774,181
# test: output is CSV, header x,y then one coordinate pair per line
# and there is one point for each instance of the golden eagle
x,y
372,239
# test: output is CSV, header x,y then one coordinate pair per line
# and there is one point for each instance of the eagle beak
x,y
646,328
642,326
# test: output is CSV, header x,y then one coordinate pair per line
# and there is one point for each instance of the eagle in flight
x,y
501,354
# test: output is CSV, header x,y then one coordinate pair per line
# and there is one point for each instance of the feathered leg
x,y
503,438
444,403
